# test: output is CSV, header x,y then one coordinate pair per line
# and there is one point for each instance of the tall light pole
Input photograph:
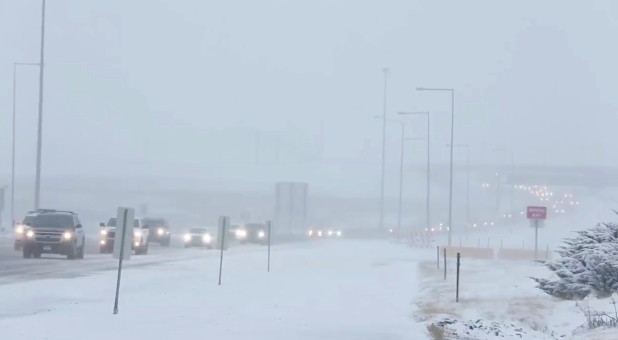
x,y
428,189
403,138
37,186
450,203
467,180
15,66
386,71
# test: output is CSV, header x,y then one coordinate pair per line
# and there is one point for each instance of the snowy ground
x,y
323,290
337,290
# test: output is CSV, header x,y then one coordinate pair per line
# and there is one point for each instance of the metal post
x,y
536,239
222,247
269,227
428,212
444,256
122,242
457,289
13,147
37,187
467,187
403,126
438,253
383,152
450,204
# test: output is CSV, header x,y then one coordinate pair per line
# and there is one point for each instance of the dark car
x,y
198,237
252,233
159,231
54,232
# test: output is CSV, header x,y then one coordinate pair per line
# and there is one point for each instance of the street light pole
x,y
37,186
467,181
385,70
15,66
403,138
428,188
450,204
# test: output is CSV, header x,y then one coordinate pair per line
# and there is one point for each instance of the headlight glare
x,y
67,235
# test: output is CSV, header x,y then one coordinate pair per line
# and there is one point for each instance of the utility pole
x,y
37,186
386,71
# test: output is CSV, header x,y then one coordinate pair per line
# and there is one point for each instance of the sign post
x,y
122,249
224,224
536,215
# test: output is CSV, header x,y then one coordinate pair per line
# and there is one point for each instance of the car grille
x,y
48,236
111,234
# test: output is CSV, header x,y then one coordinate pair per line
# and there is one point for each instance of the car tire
x,y
26,253
36,255
80,255
72,253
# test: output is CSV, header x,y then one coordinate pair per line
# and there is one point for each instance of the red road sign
x,y
537,213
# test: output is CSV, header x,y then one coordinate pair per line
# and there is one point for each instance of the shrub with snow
x,y
588,265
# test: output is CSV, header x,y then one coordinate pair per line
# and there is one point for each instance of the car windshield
x,y
28,220
155,222
112,223
53,221
254,226
198,230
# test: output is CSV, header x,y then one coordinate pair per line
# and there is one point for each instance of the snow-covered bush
x,y
588,265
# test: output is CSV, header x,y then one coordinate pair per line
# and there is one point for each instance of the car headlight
x,y
310,232
187,237
241,233
102,242
206,238
261,234
30,234
137,233
137,244
330,232
339,233
160,231
320,233
19,229
67,235
103,232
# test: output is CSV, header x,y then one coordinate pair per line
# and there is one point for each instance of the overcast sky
x,y
182,84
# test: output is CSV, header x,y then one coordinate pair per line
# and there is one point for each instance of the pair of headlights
x,y
205,238
67,235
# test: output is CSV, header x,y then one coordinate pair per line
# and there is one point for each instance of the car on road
x,y
54,232
139,242
252,233
198,237
159,231
324,233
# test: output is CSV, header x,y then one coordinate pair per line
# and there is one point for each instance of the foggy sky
x,y
186,85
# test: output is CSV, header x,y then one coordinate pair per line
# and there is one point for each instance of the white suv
x,y
139,243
